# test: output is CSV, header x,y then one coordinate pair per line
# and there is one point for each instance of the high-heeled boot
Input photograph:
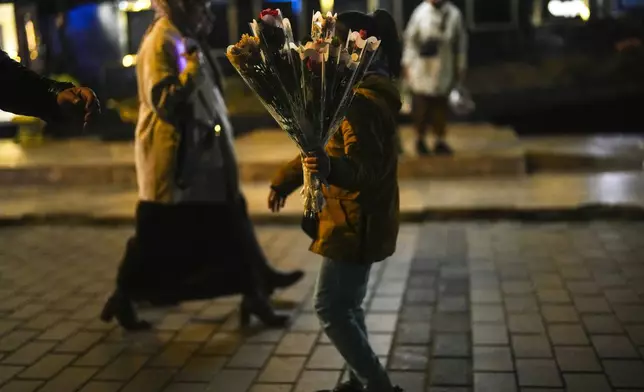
x,y
258,306
121,307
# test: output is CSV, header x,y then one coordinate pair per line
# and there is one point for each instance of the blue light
x,y
296,5
81,18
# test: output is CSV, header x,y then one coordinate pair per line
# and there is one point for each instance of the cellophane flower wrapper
x,y
307,86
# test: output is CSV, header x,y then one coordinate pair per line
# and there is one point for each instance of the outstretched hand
x,y
77,101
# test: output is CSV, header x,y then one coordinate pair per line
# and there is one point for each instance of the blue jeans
x,y
340,290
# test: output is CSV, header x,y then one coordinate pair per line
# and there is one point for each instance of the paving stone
x,y
486,297
29,353
43,321
583,287
174,355
7,372
488,313
567,335
313,380
416,313
525,323
604,323
124,367
451,345
195,333
80,342
101,354
522,304
451,322
271,388
451,372
420,296
531,346
252,356
587,383
306,323
21,386
614,346
222,343
409,358
201,369
591,305
517,287
149,380
102,386
553,296
232,380
325,357
14,339
282,369
186,387
69,379
61,331
47,366
296,343
577,359
384,322
629,313
385,304
538,373
409,381
559,313
636,333
495,382
413,333
625,374
489,334
493,359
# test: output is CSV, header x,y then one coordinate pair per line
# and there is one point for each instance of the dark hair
x,y
379,24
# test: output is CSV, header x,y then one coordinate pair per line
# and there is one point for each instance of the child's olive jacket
x,y
360,220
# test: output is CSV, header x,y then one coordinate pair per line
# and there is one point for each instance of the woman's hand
x,y
276,201
318,163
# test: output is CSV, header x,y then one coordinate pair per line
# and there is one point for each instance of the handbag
x,y
430,47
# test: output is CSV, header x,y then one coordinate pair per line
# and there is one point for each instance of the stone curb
x,y
546,214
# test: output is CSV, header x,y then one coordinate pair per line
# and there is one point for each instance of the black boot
x,y
120,307
258,306
347,386
442,148
281,280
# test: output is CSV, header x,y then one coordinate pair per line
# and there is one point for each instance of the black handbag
x,y
429,48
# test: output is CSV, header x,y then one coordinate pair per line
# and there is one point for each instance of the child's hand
x,y
318,163
276,201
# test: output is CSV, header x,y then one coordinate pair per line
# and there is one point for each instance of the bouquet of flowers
x,y
307,86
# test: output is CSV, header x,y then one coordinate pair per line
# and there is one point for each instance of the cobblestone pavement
x,y
461,307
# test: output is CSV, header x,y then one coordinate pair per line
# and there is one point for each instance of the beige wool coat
x,y
178,143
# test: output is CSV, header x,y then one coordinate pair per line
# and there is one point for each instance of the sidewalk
x,y
481,151
460,307
547,196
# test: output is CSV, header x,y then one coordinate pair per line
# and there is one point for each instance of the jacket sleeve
x,y
361,167
24,92
289,178
461,44
167,80
410,50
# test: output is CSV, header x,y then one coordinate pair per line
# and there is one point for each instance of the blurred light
x,y
326,5
129,60
217,129
569,9
32,43
33,54
135,6
9,31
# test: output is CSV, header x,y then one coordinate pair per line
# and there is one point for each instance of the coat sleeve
x,y
410,50
24,92
289,178
167,80
461,44
365,151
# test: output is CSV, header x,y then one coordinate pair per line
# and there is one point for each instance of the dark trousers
x,y
185,252
430,110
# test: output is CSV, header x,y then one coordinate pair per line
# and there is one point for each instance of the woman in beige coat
x,y
191,215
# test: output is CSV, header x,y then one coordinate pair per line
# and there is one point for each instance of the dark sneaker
x,y
345,387
398,389
422,149
442,148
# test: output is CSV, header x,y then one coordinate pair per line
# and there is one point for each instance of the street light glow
x,y
569,9
129,60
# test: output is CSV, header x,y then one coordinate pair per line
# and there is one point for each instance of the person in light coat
x,y
434,62
194,239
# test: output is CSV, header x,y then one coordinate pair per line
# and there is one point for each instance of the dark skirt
x,y
187,252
